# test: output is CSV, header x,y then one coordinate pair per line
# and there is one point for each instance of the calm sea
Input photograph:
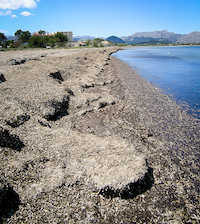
x,y
176,69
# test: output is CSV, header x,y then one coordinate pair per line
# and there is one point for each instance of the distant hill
x,y
163,36
11,37
115,39
138,40
86,37
155,42
193,37
155,37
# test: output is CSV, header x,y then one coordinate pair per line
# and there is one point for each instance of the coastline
x,y
169,80
106,102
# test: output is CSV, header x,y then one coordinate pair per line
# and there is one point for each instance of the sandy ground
x,y
84,139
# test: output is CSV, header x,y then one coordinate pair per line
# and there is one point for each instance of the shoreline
x,y
107,103
189,100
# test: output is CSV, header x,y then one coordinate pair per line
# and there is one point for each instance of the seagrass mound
x,y
37,103
9,201
65,156
2,78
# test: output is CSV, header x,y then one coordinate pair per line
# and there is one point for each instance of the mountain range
x,y
161,36
154,37
83,38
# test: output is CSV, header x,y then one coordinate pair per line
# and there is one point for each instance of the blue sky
x,y
102,18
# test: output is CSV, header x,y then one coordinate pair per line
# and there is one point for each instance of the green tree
x,y
88,42
42,32
2,37
111,42
51,40
18,33
61,37
10,43
23,36
96,42
37,41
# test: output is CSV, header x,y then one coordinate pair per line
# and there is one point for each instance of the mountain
x,y
11,37
193,37
136,40
155,42
163,36
86,37
115,39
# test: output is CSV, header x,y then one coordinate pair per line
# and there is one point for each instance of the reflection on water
x,y
176,69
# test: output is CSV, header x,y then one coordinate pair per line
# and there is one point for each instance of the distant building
x,y
78,43
40,34
105,43
82,44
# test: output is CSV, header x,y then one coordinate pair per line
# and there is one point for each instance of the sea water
x,y
175,69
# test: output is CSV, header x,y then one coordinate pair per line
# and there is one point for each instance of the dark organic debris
x,y
59,109
2,78
45,124
131,190
19,61
102,104
86,86
17,121
31,164
57,75
69,91
10,141
9,202
16,61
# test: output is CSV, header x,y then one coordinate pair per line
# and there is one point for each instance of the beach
x,y
85,139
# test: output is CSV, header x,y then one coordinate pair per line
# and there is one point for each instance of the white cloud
x,y
8,12
25,13
16,4
4,31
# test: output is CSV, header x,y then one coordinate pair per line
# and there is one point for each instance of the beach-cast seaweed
x,y
2,78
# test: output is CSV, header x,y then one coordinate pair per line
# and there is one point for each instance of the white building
x,y
105,43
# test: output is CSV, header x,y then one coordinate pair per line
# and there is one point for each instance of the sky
x,y
102,18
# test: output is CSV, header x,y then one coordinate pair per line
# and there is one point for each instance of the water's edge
x,y
178,84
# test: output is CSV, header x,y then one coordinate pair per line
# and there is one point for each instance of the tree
x,y
18,33
10,43
2,37
42,32
37,41
88,42
51,40
111,42
23,36
97,41
62,38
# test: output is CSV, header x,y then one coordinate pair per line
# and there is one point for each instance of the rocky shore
x,y
85,139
